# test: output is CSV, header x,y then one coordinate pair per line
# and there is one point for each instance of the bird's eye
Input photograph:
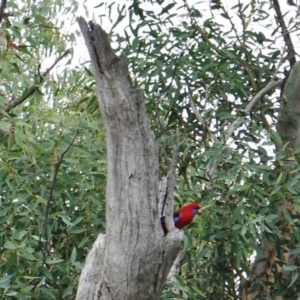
x,y
196,211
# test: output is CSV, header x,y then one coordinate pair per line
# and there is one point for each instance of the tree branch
x,y
15,102
2,8
286,35
271,85
50,196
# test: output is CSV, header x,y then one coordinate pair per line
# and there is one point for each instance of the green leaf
x,y
73,255
53,261
289,268
244,230
288,217
11,245
66,221
271,217
294,278
295,251
5,279
5,126
68,291
47,292
198,291
38,238
236,226
76,230
275,137
27,255
41,200
83,242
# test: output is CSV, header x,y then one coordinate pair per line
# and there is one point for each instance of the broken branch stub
x,y
135,258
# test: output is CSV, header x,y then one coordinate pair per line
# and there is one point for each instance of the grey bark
x,y
288,127
133,259
289,120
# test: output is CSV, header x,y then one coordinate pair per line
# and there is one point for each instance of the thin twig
x,y
194,108
159,118
270,86
244,62
281,61
50,196
68,51
199,117
175,155
172,171
15,102
236,123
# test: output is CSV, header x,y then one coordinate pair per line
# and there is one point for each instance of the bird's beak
x,y
199,211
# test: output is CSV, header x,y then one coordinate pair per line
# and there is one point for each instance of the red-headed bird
x,y
183,216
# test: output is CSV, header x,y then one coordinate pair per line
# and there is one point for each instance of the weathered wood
x,y
289,121
133,260
288,125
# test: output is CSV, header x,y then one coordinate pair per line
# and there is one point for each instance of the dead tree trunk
x,y
132,260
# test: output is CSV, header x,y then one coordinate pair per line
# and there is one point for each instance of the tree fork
x,y
132,260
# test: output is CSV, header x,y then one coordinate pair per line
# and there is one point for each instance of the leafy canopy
x,y
200,66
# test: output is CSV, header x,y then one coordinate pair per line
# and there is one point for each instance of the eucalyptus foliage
x,y
51,207
200,66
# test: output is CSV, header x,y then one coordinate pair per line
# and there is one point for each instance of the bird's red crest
x,y
193,205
